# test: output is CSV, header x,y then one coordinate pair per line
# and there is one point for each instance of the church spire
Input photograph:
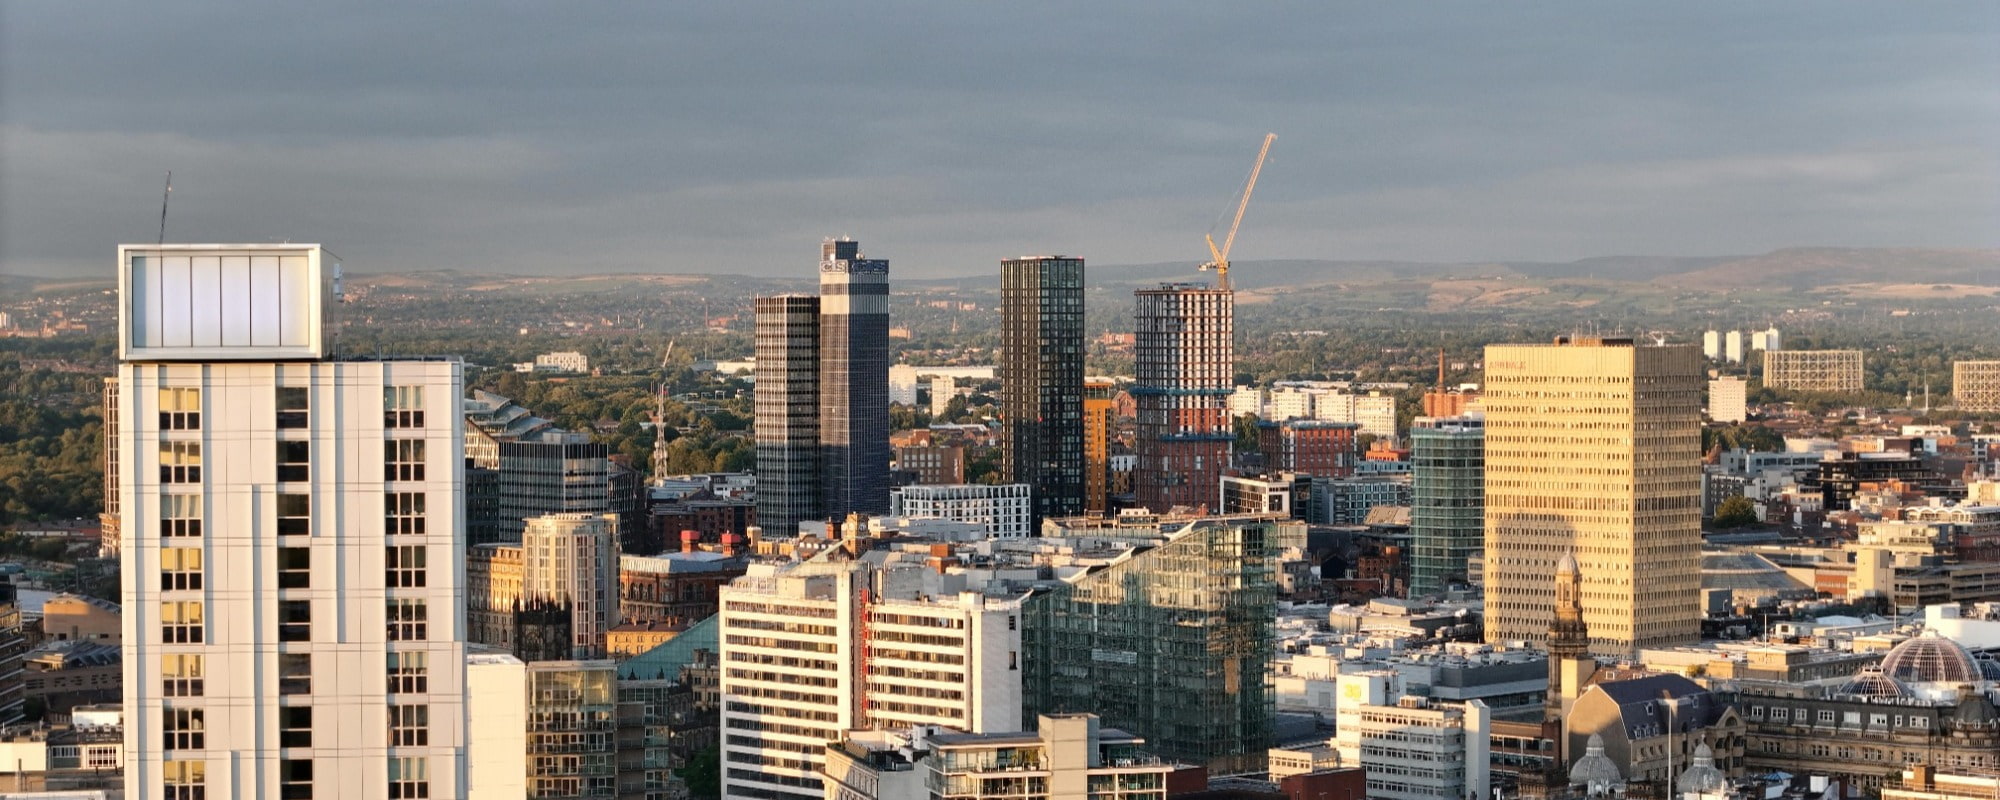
x,y
1569,638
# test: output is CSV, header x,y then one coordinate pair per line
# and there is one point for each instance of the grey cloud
x,y
525,137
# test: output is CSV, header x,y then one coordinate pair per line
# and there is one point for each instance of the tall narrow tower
x,y
787,410
1593,446
1184,339
1041,380
292,549
853,380
1569,639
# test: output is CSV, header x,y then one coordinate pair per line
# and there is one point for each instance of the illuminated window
x,y
181,674
180,409
180,462
185,780
181,622
180,515
180,568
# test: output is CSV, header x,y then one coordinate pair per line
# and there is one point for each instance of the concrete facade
x,y
1593,446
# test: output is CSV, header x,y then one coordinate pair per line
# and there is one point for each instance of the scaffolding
x,y
1171,642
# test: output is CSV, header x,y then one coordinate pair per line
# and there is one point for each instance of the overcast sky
x,y
732,136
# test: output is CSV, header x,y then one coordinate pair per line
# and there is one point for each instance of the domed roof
x,y
1931,659
1567,565
1870,682
1703,777
1989,668
1595,769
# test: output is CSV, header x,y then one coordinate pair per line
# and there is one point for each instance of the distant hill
x,y
1792,269
1853,270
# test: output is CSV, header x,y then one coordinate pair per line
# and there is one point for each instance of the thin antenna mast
x,y
164,197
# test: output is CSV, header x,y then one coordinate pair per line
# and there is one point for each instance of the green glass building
x,y
1448,505
1171,641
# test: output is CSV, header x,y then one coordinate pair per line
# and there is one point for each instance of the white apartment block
x,y
1246,400
1412,748
572,559
1289,403
568,361
292,547
1007,510
1728,399
1374,412
1732,347
903,385
943,389
810,651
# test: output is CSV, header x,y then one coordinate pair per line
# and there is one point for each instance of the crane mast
x,y
1220,258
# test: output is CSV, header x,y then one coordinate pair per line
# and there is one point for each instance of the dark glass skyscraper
x,y
1041,380
853,380
787,409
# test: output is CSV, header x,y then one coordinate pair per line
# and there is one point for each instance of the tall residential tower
x,y
291,549
1184,340
1041,380
853,380
1593,447
787,411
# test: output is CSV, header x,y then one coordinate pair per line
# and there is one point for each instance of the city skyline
x,y
1447,134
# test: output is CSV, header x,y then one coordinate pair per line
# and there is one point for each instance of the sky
x,y
732,137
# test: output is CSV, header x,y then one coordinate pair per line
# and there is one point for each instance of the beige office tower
x,y
1593,445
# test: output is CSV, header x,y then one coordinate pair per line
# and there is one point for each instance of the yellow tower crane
x,y
1221,257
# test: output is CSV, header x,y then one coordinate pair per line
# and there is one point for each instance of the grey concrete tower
x,y
853,380
787,409
1041,379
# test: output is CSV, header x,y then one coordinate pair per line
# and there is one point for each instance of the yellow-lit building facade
x,y
1593,446
1098,395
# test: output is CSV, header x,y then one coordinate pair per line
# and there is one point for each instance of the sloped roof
x,y
666,660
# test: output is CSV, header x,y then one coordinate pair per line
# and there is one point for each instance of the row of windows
x,y
403,514
409,778
180,407
403,460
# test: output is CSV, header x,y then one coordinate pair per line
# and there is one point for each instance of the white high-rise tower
x,y
292,544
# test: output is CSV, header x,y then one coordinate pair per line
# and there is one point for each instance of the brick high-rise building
x,y
1041,380
1313,447
1184,339
1593,447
